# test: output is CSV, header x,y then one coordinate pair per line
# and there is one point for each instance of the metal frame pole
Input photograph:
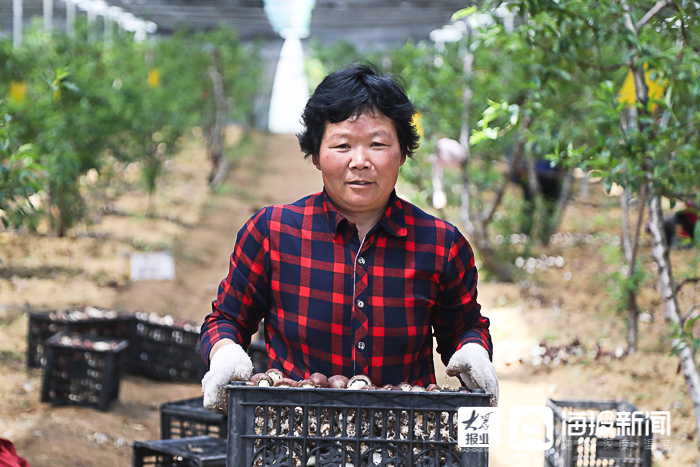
x,y
48,16
70,18
16,23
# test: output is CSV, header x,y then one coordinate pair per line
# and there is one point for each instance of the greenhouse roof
x,y
366,22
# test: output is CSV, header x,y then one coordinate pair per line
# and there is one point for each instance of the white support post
x,y
91,25
290,90
48,16
70,18
140,33
17,23
109,29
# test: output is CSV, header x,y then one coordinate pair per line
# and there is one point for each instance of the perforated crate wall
x,y
188,418
119,327
609,449
44,325
41,327
166,351
82,371
201,451
332,427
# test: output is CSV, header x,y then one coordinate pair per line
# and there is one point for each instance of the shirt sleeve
x,y
458,318
243,296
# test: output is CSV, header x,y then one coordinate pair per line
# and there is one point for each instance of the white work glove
x,y
472,364
229,363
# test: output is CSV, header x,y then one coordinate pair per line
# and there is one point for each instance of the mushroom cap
x,y
262,379
318,380
338,381
285,383
359,381
305,383
275,374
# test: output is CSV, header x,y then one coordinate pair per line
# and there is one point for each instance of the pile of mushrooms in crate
x,y
87,343
276,379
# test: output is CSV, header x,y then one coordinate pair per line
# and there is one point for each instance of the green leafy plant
x,y
19,180
121,101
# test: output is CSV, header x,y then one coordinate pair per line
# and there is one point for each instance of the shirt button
x,y
361,345
361,260
360,304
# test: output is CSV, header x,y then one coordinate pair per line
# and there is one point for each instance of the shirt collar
x,y
393,221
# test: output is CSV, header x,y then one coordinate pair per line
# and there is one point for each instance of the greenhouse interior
x,y
251,233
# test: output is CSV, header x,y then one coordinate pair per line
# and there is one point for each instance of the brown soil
x,y
87,268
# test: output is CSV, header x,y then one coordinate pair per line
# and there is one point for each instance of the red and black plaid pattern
x,y
336,305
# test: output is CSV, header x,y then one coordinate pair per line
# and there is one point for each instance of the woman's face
x,y
359,160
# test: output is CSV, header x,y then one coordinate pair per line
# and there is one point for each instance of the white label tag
x,y
158,266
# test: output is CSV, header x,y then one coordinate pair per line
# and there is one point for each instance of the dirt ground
x,y
557,305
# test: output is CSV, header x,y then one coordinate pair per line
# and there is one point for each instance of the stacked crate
x,y
82,370
188,418
201,451
166,349
89,321
587,444
159,347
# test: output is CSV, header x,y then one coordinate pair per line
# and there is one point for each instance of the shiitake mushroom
x,y
275,374
338,382
318,380
274,377
285,383
359,381
262,379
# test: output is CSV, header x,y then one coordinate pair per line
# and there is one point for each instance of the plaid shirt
x,y
332,310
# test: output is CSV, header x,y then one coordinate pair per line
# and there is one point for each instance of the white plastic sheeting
x,y
290,90
126,21
17,23
289,14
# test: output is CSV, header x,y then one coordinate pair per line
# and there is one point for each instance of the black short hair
x,y
352,91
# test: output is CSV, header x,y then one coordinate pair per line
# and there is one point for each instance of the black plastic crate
x,y
200,451
258,355
88,321
113,326
333,427
83,371
166,349
41,327
188,418
582,444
